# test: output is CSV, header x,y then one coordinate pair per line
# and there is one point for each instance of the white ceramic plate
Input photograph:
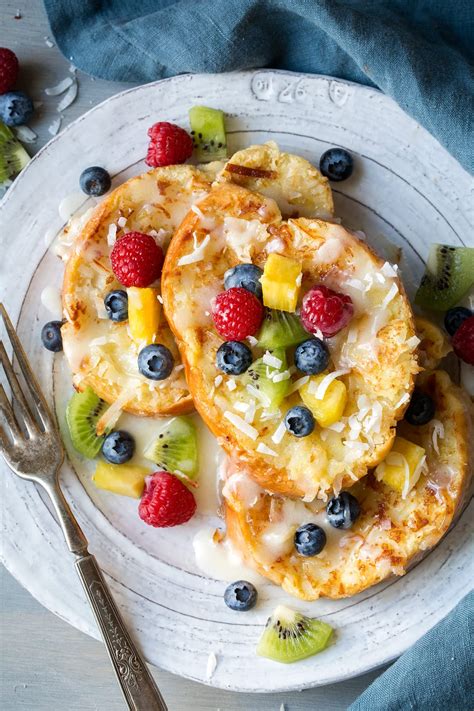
x,y
405,189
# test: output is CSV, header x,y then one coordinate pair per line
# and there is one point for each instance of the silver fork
x,y
32,448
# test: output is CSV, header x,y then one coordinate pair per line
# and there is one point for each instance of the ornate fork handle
x,y
132,673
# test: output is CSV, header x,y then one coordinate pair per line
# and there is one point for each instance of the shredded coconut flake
x,y
54,126
413,342
279,377
241,425
437,432
211,665
218,380
68,98
231,385
252,340
272,360
60,87
250,414
391,294
389,270
159,298
279,433
298,384
319,391
112,234
404,398
241,406
197,255
264,399
356,284
263,449
122,221
25,134
337,426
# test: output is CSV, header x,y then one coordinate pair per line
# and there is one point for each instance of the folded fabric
x,y
436,674
419,52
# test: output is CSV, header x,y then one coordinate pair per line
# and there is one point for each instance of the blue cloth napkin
x,y
420,52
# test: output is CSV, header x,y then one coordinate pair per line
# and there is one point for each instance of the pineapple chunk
x,y
329,409
123,479
281,282
402,467
143,313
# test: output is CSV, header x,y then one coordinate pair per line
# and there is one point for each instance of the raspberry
x,y
136,259
325,310
166,501
463,341
237,313
169,144
8,69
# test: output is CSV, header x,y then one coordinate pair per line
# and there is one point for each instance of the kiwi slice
x,y
260,376
174,448
281,329
290,636
208,132
448,276
13,156
82,414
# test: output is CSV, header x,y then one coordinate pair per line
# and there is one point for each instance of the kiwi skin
x,y
449,275
83,411
290,636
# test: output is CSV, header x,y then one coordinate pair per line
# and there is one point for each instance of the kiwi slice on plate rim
x,y
260,376
448,276
13,157
83,411
208,133
290,636
174,448
281,329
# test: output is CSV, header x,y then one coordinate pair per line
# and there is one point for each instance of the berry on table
x,y
237,314
8,69
95,181
463,341
116,305
169,144
16,108
118,447
245,275
343,510
166,501
51,336
455,317
240,596
421,409
326,310
155,362
310,539
233,358
299,421
336,164
136,259
312,356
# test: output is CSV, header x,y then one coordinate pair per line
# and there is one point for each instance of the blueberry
x,y
299,421
16,108
336,164
95,181
312,356
455,317
420,410
240,596
233,357
343,510
116,305
246,276
155,362
51,336
118,447
309,539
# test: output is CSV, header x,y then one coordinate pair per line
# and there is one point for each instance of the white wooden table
x,y
46,664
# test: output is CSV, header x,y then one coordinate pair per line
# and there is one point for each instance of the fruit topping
x,y
336,164
281,282
463,341
116,305
448,276
245,275
136,259
155,362
233,358
175,447
237,314
310,539
208,132
325,399
122,479
51,336
16,108
343,510
280,329
95,181
143,313
326,311
8,69
118,447
240,596
455,317
82,414
13,156
166,501
421,409
299,421
312,356
268,379
169,144
402,467
290,636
